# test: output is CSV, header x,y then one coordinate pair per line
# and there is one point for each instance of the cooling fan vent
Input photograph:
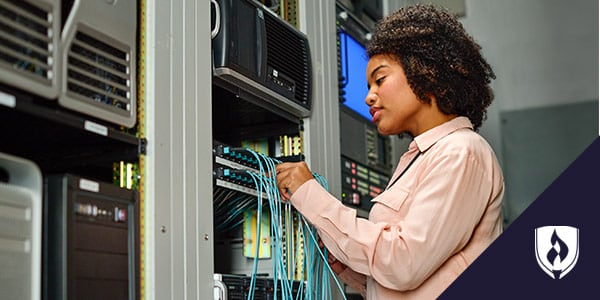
x,y
289,54
99,71
26,37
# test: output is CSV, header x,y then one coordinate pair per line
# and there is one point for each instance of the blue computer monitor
x,y
354,65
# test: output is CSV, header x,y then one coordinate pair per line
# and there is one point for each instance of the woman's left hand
x,y
290,176
336,266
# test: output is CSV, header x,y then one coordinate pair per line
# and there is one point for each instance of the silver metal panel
x,y
322,129
262,91
179,247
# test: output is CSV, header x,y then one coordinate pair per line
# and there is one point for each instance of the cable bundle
x,y
229,206
296,254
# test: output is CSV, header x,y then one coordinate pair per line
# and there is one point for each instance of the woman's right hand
x,y
290,176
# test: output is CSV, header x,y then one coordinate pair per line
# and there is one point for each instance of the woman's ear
x,y
429,99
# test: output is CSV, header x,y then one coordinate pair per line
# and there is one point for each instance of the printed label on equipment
x,y
95,128
89,185
7,100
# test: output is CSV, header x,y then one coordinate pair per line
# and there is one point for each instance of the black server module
x,y
91,240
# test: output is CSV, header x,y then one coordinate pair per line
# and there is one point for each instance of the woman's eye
x,y
379,80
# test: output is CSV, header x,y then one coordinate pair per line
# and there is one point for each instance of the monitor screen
x,y
354,65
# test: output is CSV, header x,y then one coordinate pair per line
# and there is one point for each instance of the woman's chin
x,y
384,131
388,131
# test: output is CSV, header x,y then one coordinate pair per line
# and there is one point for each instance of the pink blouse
x,y
426,228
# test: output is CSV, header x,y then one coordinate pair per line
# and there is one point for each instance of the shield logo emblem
x,y
556,249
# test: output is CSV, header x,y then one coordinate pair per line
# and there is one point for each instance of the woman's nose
x,y
371,98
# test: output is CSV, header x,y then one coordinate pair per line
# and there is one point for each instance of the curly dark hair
x,y
439,58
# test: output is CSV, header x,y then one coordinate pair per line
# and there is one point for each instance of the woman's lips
x,y
375,112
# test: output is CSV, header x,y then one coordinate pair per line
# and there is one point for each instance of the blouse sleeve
x,y
439,222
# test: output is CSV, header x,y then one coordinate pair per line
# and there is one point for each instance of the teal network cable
x,y
315,270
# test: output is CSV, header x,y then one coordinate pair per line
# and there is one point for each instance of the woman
x,y
442,207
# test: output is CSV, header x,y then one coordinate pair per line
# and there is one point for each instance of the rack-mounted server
x,y
237,287
98,45
91,240
256,51
81,54
29,45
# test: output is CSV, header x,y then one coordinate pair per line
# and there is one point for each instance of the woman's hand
x,y
290,176
336,265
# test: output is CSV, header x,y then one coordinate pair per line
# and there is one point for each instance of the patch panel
x,y
235,179
238,158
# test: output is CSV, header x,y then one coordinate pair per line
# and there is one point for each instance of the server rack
x,y
365,154
38,124
125,146
263,111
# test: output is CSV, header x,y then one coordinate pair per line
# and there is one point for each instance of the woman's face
x,y
395,109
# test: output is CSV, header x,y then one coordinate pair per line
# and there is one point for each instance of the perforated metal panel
x,y
29,38
98,47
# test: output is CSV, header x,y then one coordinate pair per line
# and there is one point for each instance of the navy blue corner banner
x,y
551,251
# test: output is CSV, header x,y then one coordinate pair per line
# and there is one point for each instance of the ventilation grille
x,y
288,53
100,72
26,39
